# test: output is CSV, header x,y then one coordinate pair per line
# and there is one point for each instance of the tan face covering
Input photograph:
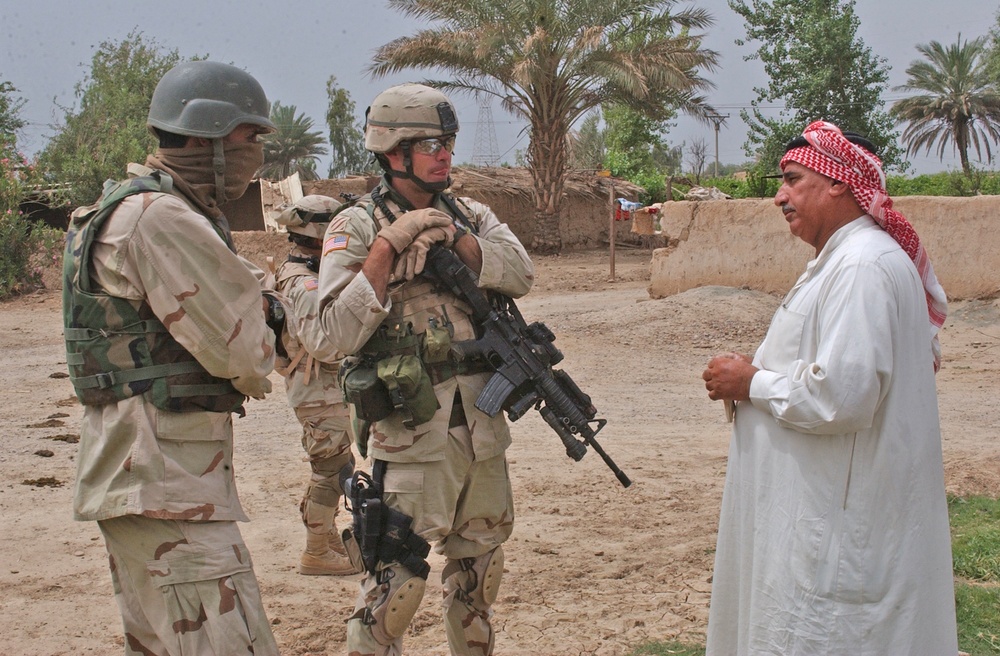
x,y
242,162
194,175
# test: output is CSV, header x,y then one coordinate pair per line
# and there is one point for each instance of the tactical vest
x,y
115,349
418,305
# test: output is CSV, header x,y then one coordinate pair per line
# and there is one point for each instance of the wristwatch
x,y
275,311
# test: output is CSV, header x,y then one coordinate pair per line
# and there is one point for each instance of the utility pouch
x,y
363,389
409,388
437,344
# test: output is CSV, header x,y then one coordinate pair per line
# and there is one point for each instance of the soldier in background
x,y
439,460
310,371
166,337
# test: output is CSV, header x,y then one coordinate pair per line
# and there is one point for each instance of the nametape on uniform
x,y
336,243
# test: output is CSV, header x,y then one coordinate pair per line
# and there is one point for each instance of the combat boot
x,y
325,554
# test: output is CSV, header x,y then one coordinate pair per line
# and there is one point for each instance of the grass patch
x,y
978,610
975,550
668,649
975,538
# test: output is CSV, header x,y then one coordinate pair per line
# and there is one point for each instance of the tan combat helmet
x,y
308,216
406,112
403,114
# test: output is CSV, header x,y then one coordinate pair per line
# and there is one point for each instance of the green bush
x,y
950,183
22,244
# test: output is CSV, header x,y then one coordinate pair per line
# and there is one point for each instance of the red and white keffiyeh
x,y
832,155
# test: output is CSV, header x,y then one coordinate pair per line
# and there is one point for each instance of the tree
x,y
551,61
631,137
992,53
20,239
109,129
698,151
294,148
10,116
820,69
346,134
959,103
12,163
587,147
635,149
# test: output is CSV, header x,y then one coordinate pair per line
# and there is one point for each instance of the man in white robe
x,y
833,535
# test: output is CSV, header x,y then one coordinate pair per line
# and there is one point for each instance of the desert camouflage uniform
x,y
160,484
450,473
310,371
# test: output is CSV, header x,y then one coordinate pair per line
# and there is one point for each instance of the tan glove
x,y
411,261
409,225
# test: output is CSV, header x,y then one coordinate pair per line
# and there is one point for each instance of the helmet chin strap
x,y
219,167
429,187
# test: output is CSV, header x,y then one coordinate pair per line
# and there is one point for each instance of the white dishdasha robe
x,y
833,535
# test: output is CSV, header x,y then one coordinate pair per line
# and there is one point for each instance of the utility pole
x,y
718,120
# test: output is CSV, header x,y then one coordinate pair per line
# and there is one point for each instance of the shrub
x,y
22,242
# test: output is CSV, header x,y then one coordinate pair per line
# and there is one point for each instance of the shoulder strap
x,y
452,204
114,193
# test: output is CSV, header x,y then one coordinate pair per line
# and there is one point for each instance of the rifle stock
x,y
522,357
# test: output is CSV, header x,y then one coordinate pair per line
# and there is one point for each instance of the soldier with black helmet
x,y
439,464
166,337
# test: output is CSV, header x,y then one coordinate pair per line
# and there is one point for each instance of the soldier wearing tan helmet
x,y
435,456
310,370
165,339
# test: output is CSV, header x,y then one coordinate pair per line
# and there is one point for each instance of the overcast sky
x,y
293,48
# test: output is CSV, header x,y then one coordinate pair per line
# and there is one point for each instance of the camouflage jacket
x,y
310,370
350,314
135,458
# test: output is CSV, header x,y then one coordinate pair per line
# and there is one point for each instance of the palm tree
x,y
959,104
552,61
294,148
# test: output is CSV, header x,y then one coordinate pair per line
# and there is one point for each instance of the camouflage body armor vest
x,y
116,350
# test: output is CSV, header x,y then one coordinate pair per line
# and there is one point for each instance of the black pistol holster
x,y
382,534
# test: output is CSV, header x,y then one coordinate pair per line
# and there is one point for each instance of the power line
x,y
484,147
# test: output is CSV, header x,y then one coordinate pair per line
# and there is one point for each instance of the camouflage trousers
x,y
185,588
326,438
465,508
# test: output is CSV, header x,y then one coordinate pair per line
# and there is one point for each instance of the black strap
x,y
459,214
311,262
378,474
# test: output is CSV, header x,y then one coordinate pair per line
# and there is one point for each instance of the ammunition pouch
x,y
364,389
436,344
382,534
410,389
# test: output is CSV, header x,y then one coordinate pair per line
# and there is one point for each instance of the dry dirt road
x,y
592,568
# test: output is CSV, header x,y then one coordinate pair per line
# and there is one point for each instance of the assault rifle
x,y
522,356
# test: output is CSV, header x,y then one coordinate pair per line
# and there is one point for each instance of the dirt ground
x,y
591,568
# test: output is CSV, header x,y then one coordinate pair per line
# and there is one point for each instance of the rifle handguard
x,y
522,356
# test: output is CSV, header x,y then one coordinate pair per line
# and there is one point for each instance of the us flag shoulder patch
x,y
310,285
336,243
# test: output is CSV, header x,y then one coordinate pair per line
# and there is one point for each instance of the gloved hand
x,y
409,225
411,261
